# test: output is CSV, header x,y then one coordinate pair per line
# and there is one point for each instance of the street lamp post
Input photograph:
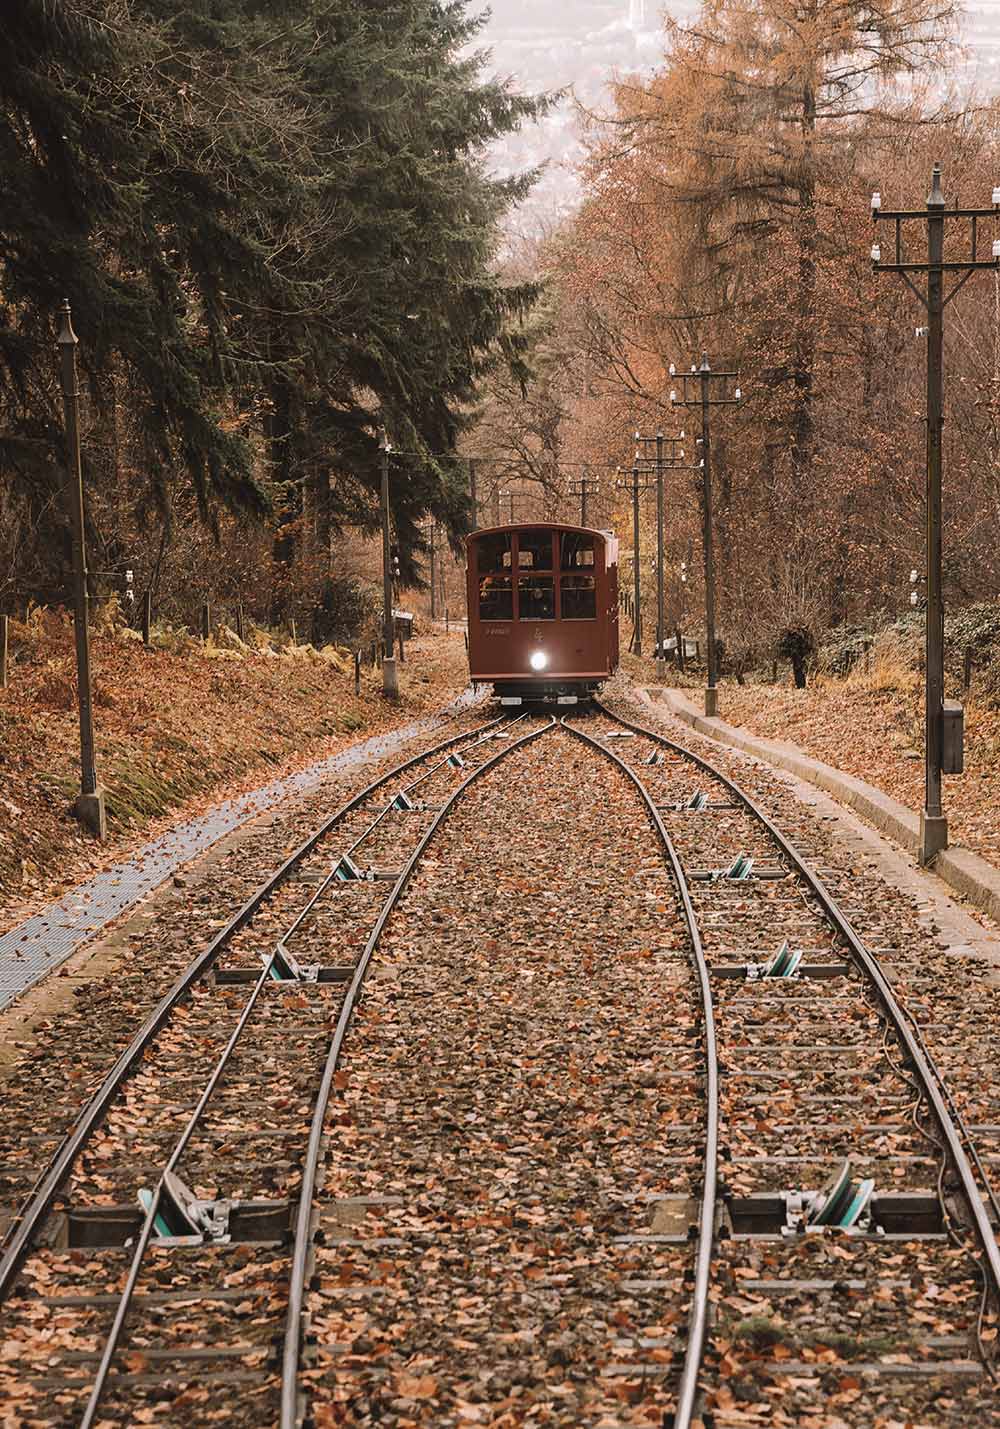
x,y
90,801
658,465
390,674
696,387
933,823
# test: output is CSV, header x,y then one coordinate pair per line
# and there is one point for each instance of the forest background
x,y
726,211
277,226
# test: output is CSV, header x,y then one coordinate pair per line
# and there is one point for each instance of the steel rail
x,y
928,1074
37,1203
304,912
146,1233
121,1313
698,1320
302,1237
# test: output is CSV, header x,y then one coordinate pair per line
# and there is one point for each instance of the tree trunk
x,y
803,434
799,671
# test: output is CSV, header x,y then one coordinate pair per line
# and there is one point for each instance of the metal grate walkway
x,y
36,947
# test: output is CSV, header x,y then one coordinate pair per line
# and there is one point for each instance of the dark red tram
x,y
543,611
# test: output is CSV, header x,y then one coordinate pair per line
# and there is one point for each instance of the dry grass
x,y
177,729
893,666
872,725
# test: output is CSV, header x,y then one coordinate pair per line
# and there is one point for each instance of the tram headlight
x,y
539,660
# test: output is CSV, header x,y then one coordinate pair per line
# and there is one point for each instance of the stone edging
x,y
966,872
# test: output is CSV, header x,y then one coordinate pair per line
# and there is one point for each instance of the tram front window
x,y
494,563
496,598
534,550
536,598
494,553
577,584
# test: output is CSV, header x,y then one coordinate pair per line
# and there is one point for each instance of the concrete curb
x,y
966,872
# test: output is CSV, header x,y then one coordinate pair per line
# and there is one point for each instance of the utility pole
x,y
632,485
942,721
586,487
696,391
390,674
658,465
433,539
90,802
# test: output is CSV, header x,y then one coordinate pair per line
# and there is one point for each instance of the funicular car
x,y
543,611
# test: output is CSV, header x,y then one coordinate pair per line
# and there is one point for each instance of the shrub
x,y
796,643
840,654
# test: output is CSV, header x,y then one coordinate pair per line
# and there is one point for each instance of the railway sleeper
x,y
112,1227
741,870
254,1223
698,803
785,963
286,970
784,1215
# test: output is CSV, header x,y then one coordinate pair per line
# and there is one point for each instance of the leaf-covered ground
x,y
877,735
177,729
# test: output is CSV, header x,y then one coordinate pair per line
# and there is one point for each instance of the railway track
x,y
544,1177
218,1098
796,1006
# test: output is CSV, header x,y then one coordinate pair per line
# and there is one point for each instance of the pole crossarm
x,y
881,214
586,487
648,464
959,267
634,486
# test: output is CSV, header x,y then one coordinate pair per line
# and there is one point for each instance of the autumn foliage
x,y
726,211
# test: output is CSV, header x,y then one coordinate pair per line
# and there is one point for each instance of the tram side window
x,y
579,597
536,597
496,588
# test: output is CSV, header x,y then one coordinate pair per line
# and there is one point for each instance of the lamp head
x,y
67,337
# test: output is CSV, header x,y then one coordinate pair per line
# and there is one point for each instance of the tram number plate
x,y
497,630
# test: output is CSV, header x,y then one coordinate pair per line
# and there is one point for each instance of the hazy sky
x,y
550,44
553,44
